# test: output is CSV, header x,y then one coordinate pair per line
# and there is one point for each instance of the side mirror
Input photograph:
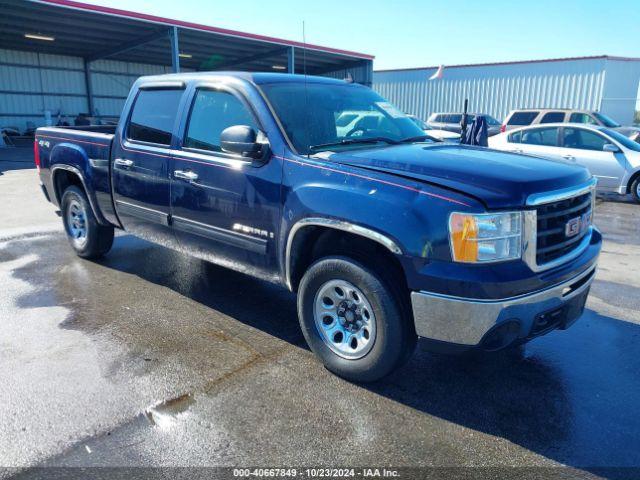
x,y
610,147
241,140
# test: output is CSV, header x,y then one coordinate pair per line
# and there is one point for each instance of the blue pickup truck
x,y
326,188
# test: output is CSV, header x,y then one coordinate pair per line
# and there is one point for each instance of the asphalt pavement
x,y
152,358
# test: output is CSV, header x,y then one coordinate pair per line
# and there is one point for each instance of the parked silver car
x,y
451,122
612,158
535,116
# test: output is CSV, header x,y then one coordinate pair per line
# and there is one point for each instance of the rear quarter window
x,y
522,118
153,116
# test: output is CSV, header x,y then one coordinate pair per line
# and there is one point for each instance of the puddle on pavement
x,y
165,414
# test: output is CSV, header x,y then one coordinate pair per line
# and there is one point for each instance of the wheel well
x,y
314,242
631,180
62,180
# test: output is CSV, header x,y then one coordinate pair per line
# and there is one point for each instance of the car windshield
x,y
334,116
491,121
420,123
606,121
624,141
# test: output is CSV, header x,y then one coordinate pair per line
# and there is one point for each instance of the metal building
x,y
59,58
603,83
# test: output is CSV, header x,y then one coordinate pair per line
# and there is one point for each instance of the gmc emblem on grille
x,y
577,225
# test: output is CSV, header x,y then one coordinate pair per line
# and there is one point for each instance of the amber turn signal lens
x,y
464,232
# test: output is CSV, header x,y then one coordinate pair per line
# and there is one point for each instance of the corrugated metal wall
x,y
496,89
32,83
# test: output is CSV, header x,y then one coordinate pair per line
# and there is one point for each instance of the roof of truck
x,y
254,77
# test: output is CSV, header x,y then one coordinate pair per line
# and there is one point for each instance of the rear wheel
x,y
87,237
352,320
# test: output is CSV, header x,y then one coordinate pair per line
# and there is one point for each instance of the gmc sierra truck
x,y
326,188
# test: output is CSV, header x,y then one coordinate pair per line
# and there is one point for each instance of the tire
x,y
385,337
86,236
635,189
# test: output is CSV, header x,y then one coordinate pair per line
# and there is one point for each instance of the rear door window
x,y
211,113
583,139
515,137
552,117
153,116
582,118
547,137
522,118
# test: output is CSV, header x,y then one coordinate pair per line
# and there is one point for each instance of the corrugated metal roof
x,y
516,62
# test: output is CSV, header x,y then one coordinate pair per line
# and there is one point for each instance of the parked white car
x,y
611,157
444,135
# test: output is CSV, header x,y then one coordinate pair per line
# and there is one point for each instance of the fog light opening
x,y
501,336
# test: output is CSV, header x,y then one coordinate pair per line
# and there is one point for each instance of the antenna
x,y
306,97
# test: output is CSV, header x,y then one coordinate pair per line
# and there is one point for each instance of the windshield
x,y
625,141
328,113
606,121
420,123
491,121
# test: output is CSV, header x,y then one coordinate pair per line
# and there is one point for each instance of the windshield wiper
x,y
420,138
352,141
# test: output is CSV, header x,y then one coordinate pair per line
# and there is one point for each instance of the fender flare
x,y
89,193
342,225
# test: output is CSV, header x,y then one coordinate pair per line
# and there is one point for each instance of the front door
x,y
224,208
141,160
585,147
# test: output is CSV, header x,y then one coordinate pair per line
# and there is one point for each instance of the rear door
x,y
541,141
224,207
585,147
141,159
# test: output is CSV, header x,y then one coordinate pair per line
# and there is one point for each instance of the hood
x,y
498,179
627,131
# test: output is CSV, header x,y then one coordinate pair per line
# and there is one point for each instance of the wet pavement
x,y
149,357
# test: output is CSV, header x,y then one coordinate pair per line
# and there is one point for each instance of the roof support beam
x,y
291,60
253,58
88,86
130,45
175,49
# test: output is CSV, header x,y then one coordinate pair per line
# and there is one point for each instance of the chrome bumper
x,y
466,321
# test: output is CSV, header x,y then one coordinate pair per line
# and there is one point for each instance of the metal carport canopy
x,y
94,32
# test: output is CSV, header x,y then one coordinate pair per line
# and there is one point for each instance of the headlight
x,y
486,237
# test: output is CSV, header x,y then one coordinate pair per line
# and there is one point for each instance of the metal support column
x,y
291,60
175,49
88,86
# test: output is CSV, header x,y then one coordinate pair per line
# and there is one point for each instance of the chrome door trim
x,y
229,237
143,213
337,225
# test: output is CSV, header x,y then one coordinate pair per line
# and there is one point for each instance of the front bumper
x,y
497,323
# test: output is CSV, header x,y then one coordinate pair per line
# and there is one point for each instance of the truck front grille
x,y
553,241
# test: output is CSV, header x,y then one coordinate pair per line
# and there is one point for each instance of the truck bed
x,y
84,152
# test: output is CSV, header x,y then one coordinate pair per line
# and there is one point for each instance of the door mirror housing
x,y
242,140
610,147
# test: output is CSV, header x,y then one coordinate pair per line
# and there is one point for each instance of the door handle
x,y
123,162
518,150
185,175
569,157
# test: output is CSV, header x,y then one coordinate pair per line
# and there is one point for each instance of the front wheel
x,y
635,189
352,320
87,237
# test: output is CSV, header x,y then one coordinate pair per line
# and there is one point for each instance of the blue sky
x,y
412,33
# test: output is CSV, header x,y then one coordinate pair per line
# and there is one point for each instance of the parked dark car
x,y
384,235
